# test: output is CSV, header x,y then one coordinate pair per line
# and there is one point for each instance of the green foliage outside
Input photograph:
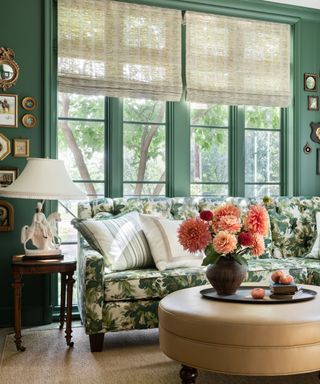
x,y
81,145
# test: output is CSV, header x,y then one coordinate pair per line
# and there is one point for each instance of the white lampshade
x,y
45,179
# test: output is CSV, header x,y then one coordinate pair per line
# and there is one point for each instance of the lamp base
x,y
40,254
43,257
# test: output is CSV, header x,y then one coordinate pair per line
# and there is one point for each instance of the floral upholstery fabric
x,y
129,299
293,225
150,283
157,206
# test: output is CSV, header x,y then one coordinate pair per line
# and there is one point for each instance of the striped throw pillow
x,y
120,240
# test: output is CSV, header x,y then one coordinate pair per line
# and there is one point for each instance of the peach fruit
x,y
288,279
276,275
258,293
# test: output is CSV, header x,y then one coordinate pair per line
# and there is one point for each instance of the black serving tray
x,y
243,295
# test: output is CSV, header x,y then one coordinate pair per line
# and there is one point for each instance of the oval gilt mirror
x,y
9,69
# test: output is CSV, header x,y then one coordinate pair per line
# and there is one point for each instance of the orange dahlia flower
x,y
258,246
256,220
223,211
224,242
194,234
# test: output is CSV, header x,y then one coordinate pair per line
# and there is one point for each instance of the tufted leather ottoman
x,y
239,338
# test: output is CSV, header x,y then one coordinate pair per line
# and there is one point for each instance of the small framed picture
x,y
310,82
313,103
7,176
5,147
21,147
8,111
28,120
6,216
318,161
28,103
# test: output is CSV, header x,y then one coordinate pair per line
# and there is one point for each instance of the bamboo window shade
x,y
119,49
237,61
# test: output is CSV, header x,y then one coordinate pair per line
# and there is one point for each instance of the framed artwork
x,y
313,103
6,216
29,120
7,176
21,147
28,103
310,82
5,147
8,111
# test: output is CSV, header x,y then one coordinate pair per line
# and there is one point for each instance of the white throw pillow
x,y
121,240
315,251
165,248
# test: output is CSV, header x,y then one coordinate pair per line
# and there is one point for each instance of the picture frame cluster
x,y
18,147
9,119
310,84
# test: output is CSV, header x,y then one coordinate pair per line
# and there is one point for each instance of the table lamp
x,y
43,179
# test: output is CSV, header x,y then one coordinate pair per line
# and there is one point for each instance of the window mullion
x,y
113,147
237,155
178,149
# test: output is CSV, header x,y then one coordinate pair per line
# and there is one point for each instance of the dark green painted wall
x,y
23,31
26,31
310,63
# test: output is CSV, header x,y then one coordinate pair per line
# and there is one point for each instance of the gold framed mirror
x,y
9,69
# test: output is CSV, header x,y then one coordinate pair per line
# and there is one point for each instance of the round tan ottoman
x,y
239,338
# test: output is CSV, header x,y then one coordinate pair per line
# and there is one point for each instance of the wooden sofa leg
x,y
96,342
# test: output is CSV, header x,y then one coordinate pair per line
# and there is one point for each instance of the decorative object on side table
x,y
8,111
225,235
310,82
43,179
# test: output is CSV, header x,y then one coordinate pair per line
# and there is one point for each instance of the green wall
x,y
309,181
27,31
23,31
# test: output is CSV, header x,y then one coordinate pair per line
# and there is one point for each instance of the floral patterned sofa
x,y
124,300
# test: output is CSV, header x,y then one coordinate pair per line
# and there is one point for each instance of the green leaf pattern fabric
x,y
113,301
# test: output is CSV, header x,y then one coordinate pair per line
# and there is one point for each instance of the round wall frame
x,y
29,103
28,120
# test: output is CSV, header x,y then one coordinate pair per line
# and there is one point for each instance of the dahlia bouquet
x,y
226,232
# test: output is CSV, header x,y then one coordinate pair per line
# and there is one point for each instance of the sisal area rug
x,y
128,358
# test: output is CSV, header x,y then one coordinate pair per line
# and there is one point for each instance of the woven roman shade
x,y
237,61
119,49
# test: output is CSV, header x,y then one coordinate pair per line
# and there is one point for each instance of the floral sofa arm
x,y
91,289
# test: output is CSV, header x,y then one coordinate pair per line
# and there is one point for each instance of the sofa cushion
x,y
157,206
166,250
120,240
150,283
315,251
153,284
293,225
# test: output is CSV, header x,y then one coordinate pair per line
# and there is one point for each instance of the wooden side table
x,y
66,267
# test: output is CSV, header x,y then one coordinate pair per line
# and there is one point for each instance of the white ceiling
x,y
301,3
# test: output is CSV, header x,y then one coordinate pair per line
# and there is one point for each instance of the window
x,y
209,149
144,147
81,146
126,145
262,151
